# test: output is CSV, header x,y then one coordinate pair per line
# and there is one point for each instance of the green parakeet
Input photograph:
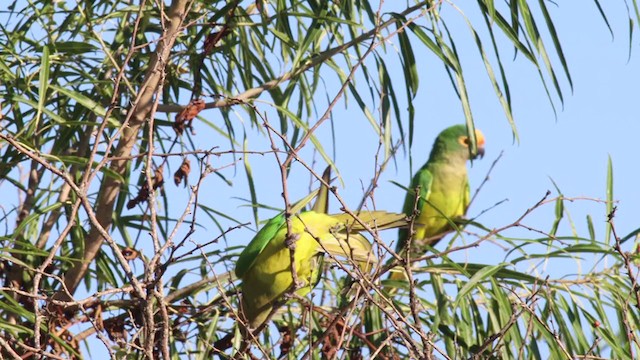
x,y
444,189
265,264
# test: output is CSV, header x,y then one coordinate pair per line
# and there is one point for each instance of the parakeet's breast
x,y
448,199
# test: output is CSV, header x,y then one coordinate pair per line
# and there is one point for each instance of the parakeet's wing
x,y
265,235
423,179
257,244
467,195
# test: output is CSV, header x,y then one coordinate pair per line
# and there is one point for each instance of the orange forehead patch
x,y
479,138
464,140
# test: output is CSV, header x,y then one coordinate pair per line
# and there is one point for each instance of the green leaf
x,y
610,207
480,276
43,83
86,102
252,188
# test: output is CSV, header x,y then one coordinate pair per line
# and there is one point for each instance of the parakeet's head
x,y
455,142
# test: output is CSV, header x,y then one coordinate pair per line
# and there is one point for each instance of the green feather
x,y
257,244
265,235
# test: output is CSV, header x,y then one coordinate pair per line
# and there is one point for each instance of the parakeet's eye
x,y
464,140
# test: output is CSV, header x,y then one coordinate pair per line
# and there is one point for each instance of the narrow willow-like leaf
x,y
491,9
480,276
252,188
388,95
430,43
52,115
609,192
503,76
6,70
36,216
312,34
534,34
460,84
502,303
505,102
409,66
604,17
636,10
556,41
86,102
108,274
466,327
43,85
578,326
564,330
511,32
365,110
559,212
592,231
617,344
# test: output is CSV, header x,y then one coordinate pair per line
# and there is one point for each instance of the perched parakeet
x,y
265,264
444,189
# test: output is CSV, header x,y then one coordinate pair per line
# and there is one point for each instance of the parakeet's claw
x,y
290,241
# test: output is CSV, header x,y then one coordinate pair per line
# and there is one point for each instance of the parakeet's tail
x,y
352,246
322,200
377,220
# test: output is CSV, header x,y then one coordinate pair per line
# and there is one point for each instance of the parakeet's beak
x,y
479,144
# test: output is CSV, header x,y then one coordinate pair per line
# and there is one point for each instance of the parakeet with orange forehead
x,y
444,189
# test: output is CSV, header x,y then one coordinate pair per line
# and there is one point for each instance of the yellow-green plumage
x,y
265,264
444,189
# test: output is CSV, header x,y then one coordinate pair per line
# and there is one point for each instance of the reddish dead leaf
x,y
185,117
144,193
182,173
158,178
130,253
184,307
596,324
329,343
286,341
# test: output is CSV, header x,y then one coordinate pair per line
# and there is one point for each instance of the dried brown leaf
x,y
144,193
130,253
182,173
185,117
